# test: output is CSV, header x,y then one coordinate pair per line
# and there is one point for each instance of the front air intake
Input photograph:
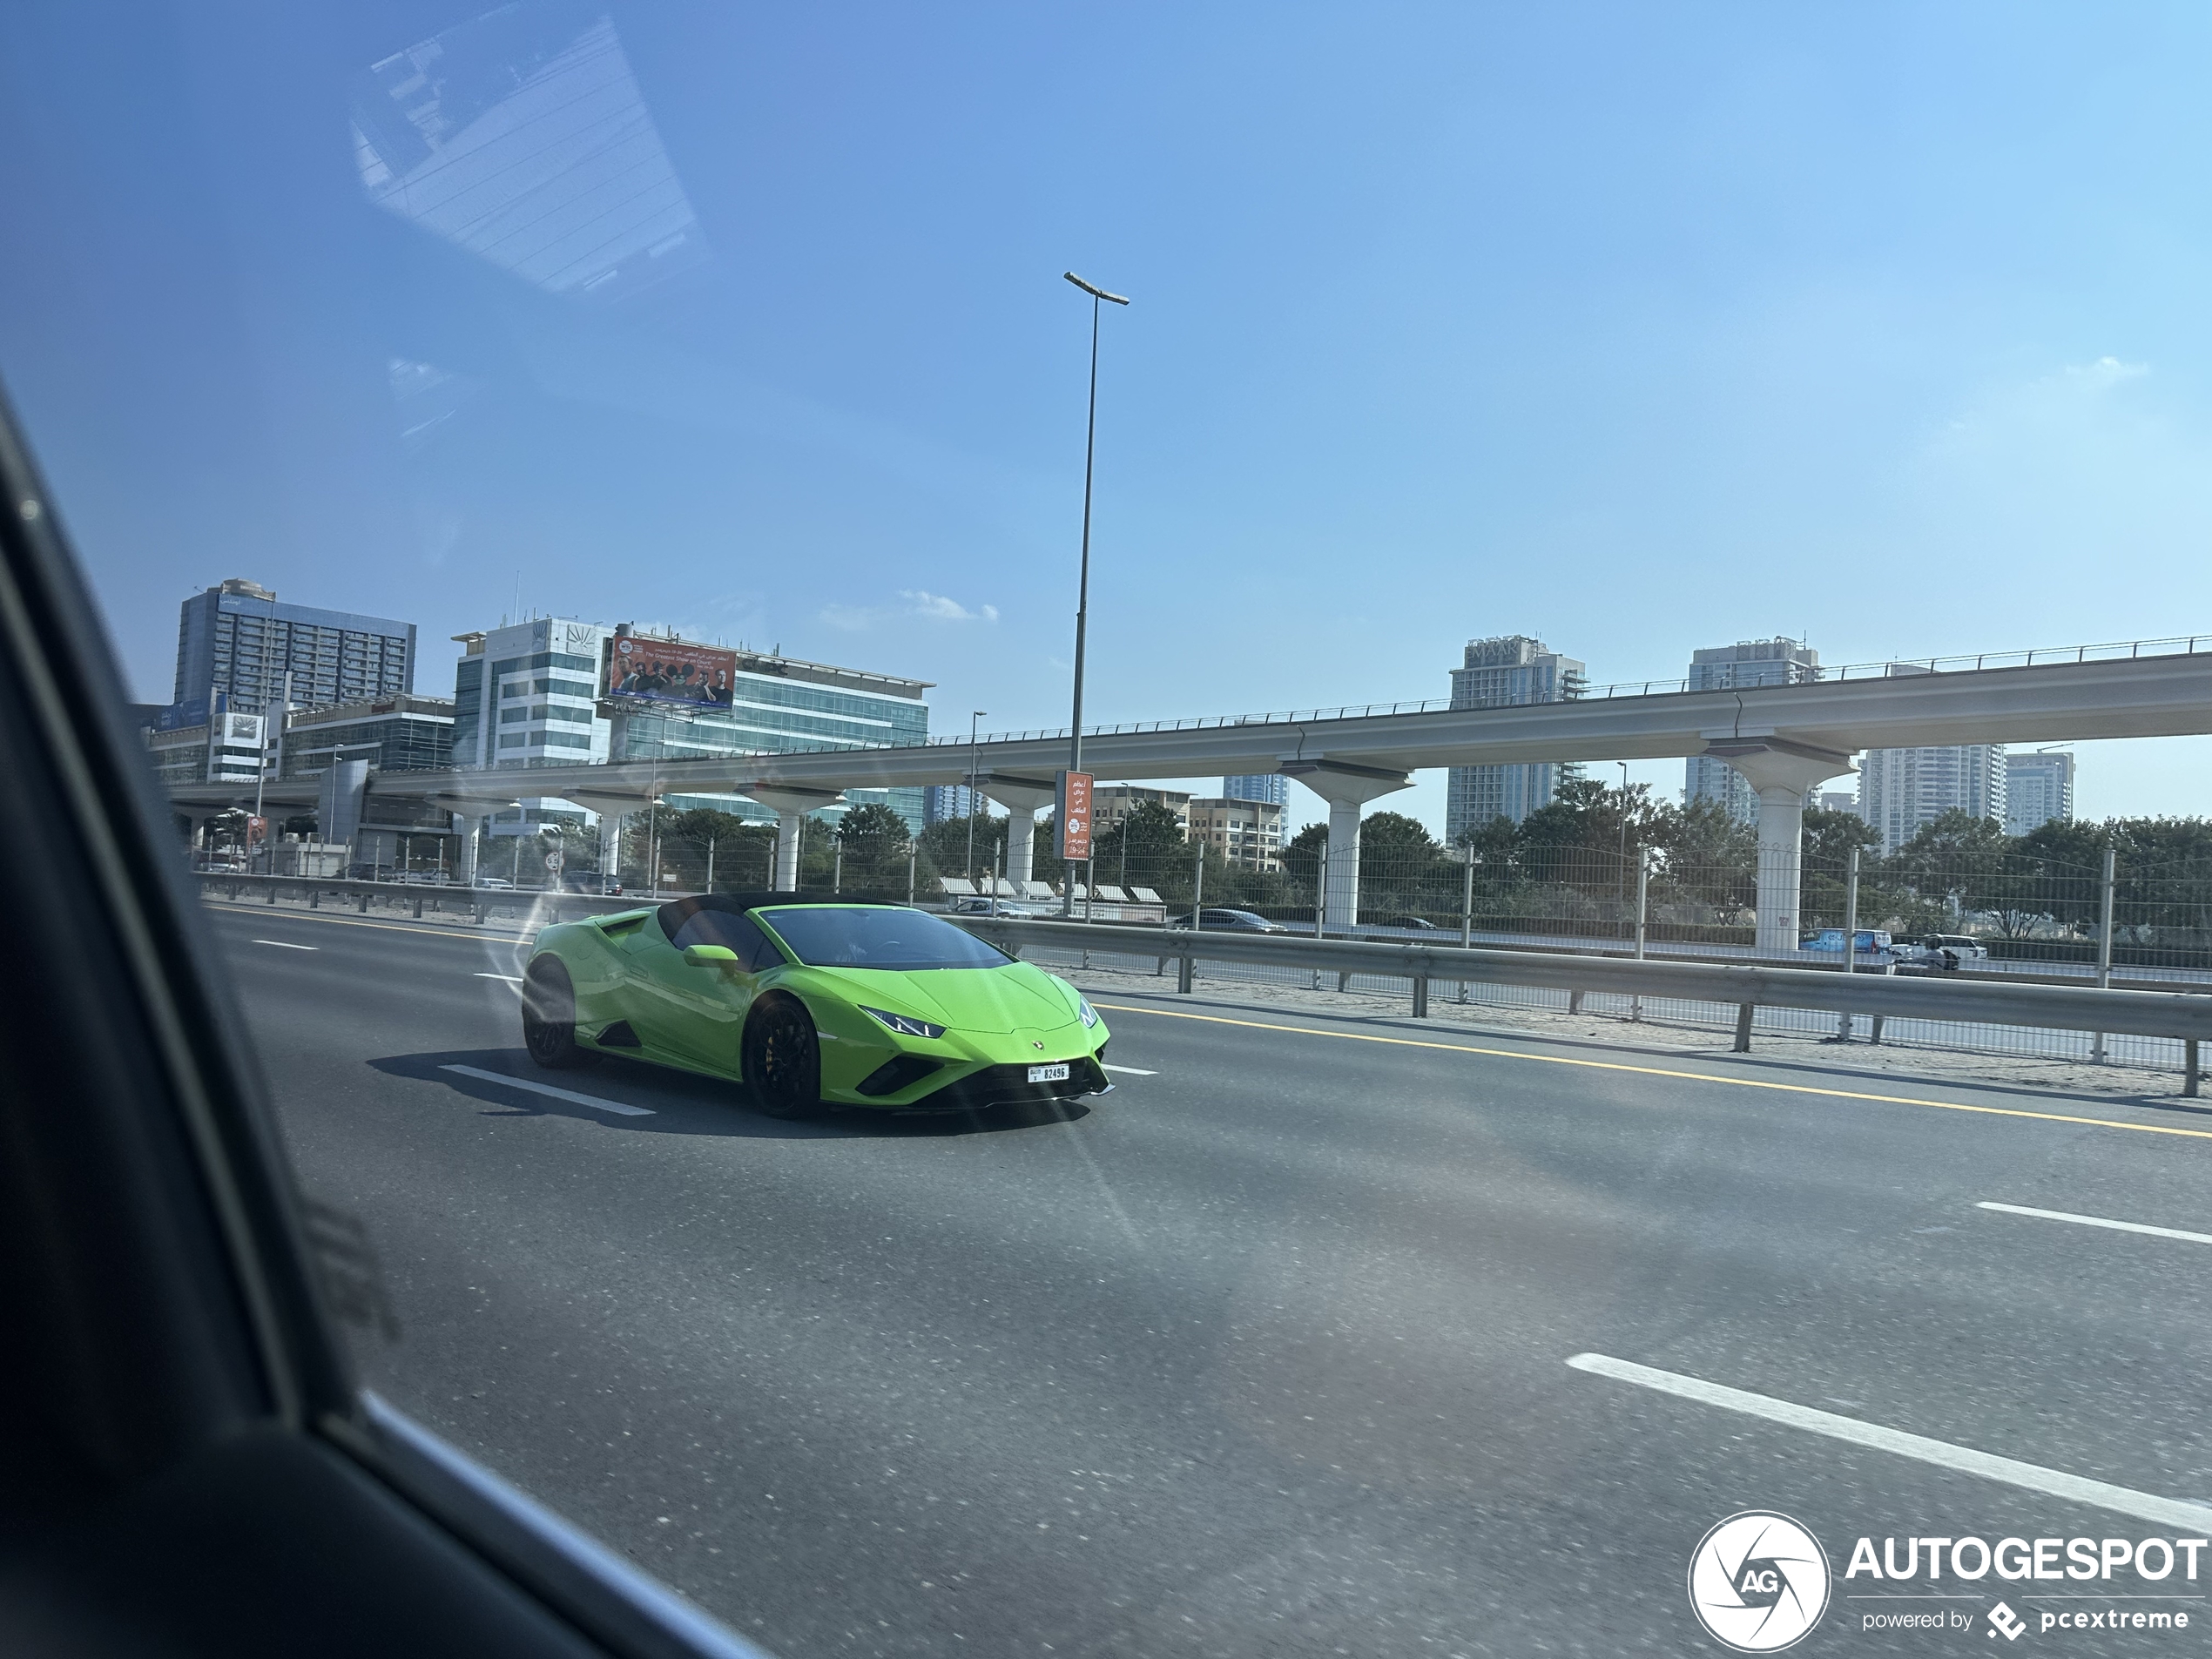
x,y
894,1075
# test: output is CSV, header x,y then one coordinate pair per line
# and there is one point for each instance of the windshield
x,y
1708,495
830,936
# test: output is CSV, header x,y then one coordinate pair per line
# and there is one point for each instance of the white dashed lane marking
x,y
285,944
593,1101
1133,1071
2189,1518
2097,1221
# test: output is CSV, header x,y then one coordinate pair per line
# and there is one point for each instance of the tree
x,y
943,846
1147,848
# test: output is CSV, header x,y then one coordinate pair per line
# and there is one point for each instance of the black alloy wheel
x,y
548,1018
783,1058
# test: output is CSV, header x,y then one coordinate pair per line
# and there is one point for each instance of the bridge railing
x,y
1744,990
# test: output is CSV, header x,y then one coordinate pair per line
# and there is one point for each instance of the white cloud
x,y
920,604
938,608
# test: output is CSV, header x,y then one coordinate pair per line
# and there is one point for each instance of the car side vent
x,y
619,1036
622,925
894,1075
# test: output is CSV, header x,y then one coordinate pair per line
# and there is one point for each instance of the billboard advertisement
x,y
1073,819
664,671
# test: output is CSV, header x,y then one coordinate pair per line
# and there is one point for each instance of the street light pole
x,y
1082,588
968,870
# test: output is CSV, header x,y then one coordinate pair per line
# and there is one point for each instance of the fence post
x,y
912,854
1850,934
314,898
1198,890
709,866
1421,997
837,867
1320,899
418,907
1184,974
1743,1026
1643,896
1466,911
2188,1068
2104,947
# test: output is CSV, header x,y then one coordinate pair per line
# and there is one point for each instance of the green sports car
x,y
856,1004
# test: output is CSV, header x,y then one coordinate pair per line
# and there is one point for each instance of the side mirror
x,y
711,957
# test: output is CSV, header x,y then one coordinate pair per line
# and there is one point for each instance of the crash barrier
x,y
421,897
2182,1016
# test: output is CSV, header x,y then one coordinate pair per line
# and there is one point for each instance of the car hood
x,y
1011,998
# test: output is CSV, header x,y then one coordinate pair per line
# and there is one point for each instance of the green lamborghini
x,y
854,1004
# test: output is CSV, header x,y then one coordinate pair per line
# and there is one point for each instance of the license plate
x,y
1049,1074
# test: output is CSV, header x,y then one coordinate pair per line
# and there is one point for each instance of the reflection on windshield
x,y
826,936
522,136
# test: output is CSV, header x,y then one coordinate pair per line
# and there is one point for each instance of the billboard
x,y
663,670
1072,820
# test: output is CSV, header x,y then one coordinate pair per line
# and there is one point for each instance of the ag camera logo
x,y
1758,1581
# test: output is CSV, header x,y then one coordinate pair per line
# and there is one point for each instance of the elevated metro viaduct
x,y
1786,741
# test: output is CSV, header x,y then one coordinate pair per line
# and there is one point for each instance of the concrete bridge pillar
x,y
1023,799
1784,774
791,807
1347,788
464,861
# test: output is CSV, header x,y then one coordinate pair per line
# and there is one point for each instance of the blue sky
x,y
1637,329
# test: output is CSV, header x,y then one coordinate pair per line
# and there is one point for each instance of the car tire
x,y
782,1058
548,1018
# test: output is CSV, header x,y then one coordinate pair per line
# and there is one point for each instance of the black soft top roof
x,y
676,912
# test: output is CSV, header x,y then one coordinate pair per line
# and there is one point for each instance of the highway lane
x,y
1267,1353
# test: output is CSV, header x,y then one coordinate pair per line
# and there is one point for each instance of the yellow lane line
x,y
1662,1071
388,926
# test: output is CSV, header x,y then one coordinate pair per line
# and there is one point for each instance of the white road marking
x,y
1132,1071
2189,1518
285,944
592,1101
2097,1221
504,979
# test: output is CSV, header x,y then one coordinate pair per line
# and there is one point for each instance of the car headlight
x,y
906,1025
1089,1013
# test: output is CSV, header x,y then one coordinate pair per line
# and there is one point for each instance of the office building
x,y
944,803
1779,661
1249,832
767,703
1837,801
1110,804
1498,673
225,751
1900,790
2039,789
237,640
1271,787
541,693
392,734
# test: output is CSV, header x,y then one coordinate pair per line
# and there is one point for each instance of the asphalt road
x,y
1267,1353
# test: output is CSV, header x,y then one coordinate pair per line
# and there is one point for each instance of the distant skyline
x,y
1634,330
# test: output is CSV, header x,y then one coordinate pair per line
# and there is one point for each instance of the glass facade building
x,y
238,641
1496,673
1269,786
779,705
1779,661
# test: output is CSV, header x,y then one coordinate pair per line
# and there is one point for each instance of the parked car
x,y
1230,921
499,881
590,882
1419,924
981,905
1963,947
1872,949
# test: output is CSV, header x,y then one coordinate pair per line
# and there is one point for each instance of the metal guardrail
x,y
546,904
2185,1015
